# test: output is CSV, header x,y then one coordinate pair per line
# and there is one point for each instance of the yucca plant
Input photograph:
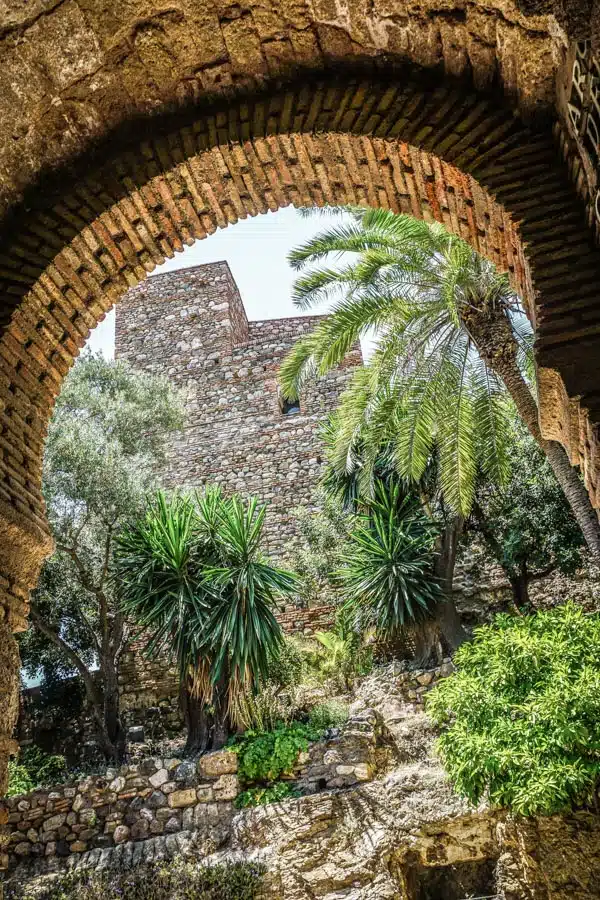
x,y
160,563
388,571
453,344
243,588
192,576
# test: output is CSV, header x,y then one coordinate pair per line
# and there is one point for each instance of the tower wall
x,y
236,433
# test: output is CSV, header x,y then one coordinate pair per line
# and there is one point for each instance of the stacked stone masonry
x,y
191,326
168,796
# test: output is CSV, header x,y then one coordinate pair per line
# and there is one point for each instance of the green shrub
x,y
33,769
341,654
521,716
330,714
178,879
19,779
287,664
259,796
265,756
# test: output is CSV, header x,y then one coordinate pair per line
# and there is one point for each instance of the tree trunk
x,y
94,695
111,709
446,614
221,728
197,721
492,334
520,588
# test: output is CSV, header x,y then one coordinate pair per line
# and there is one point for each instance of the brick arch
x,y
430,148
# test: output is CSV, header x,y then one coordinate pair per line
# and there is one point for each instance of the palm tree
x,y
243,588
452,340
192,576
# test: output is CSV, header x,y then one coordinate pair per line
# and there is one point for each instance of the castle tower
x,y
238,431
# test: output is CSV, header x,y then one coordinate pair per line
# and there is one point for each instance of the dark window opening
x,y
290,407
458,882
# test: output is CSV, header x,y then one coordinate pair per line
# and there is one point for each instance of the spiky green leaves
x,y
387,573
192,575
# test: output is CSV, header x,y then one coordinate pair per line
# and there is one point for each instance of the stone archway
x,y
423,145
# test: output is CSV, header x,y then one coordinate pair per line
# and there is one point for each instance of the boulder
x,y
222,762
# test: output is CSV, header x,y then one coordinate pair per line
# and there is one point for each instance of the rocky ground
x,y
405,835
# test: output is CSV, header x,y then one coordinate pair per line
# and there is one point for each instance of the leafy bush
x,y
342,654
330,714
287,664
19,779
259,796
178,879
33,769
521,716
265,756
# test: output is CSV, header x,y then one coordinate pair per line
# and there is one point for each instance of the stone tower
x,y
239,432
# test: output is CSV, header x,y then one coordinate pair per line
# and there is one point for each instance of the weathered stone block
x,y
227,787
222,762
156,800
121,834
172,825
179,799
159,778
54,822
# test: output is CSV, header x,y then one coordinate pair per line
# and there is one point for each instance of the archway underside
x,y
440,153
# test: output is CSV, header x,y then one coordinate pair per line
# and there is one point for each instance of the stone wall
x,y
191,326
133,802
167,796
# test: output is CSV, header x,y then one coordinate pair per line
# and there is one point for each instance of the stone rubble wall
x,y
167,796
191,326
132,802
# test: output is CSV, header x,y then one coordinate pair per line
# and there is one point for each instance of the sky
x,y
256,250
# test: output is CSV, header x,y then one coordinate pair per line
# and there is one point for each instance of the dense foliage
x,y
263,794
343,653
521,716
453,344
265,756
34,768
387,571
527,524
179,879
105,443
193,577
324,535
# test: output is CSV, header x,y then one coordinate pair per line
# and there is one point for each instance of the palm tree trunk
x,y
566,475
492,334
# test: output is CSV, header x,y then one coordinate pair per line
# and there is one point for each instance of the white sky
x,y
256,250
